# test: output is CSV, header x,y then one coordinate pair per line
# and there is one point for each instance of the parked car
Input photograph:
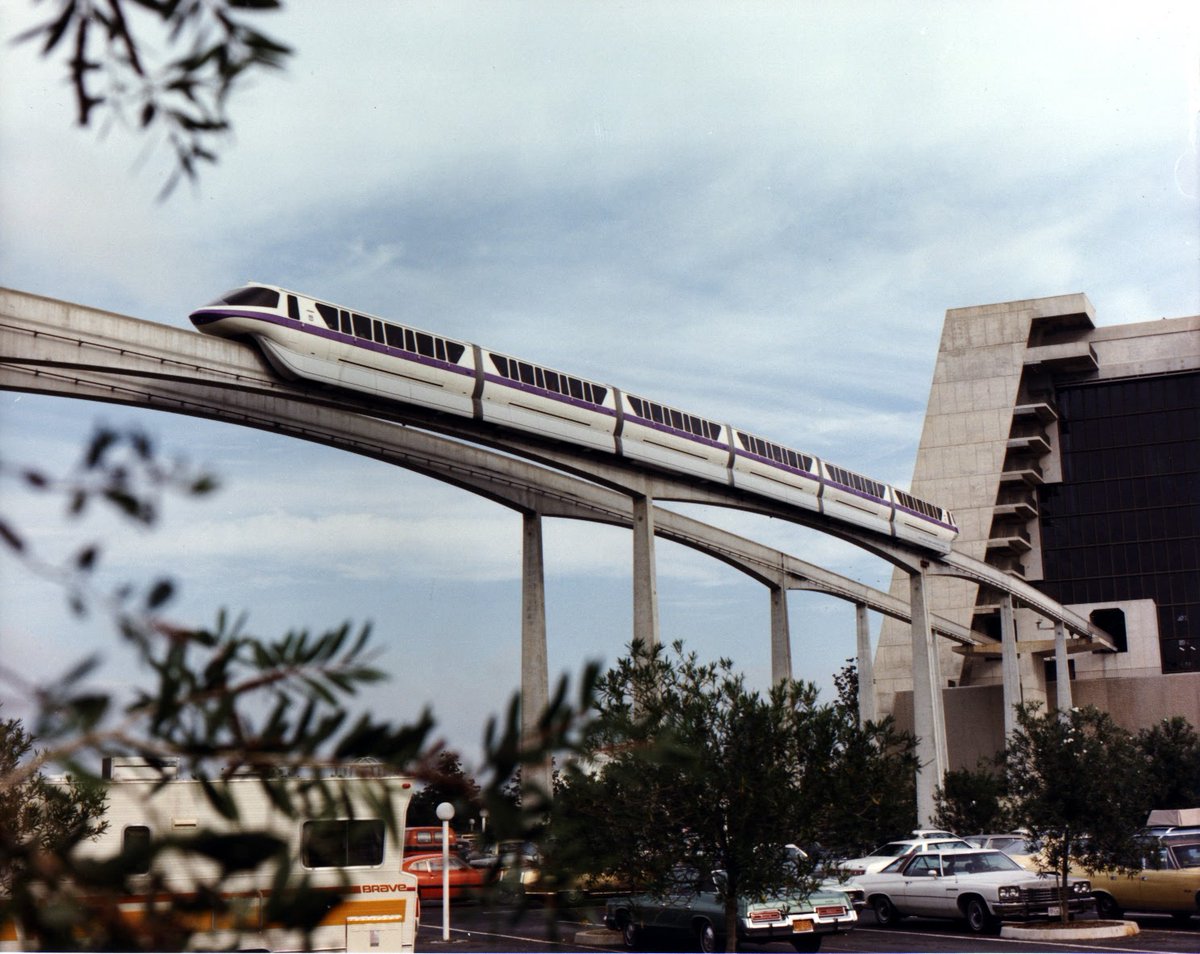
x,y
692,911
1168,882
884,855
465,881
981,886
834,881
1017,845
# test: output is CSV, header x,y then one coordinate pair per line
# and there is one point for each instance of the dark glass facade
x,y
1124,524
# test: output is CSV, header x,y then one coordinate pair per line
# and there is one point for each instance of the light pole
x,y
445,811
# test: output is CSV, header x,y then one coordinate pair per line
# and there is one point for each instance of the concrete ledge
x,y
599,937
1074,931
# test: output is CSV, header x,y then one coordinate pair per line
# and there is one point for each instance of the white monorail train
x,y
316,341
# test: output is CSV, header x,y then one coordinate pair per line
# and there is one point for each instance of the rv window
x,y
341,844
135,845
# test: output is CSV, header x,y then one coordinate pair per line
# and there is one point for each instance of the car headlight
x,y
1082,887
1010,893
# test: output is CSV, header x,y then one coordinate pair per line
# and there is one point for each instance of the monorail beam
x,y
535,676
866,665
929,724
1062,690
781,638
645,577
1010,665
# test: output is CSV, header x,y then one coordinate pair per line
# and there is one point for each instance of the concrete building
x,y
1070,455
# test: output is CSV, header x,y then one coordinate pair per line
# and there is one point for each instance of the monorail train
x,y
316,341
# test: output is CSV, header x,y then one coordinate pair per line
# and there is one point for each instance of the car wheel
x,y
886,914
1107,907
706,938
630,934
807,943
979,918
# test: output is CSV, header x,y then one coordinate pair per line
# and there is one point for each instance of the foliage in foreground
x,y
166,67
217,700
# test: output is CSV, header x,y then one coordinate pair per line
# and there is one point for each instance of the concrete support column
x,y
1062,689
929,723
535,678
1010,666
866,667
781,637
645,579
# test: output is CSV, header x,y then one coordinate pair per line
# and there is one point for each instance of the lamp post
x,y
445,811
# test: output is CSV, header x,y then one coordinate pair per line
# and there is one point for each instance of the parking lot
x,y
479,928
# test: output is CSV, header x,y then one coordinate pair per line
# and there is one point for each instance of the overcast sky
x,y
757,212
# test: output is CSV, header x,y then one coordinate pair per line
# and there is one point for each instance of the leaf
x,y
10,536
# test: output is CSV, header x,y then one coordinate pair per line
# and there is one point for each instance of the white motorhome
x,y
349,850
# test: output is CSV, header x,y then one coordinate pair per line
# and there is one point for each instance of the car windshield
x,y
892,849
978,862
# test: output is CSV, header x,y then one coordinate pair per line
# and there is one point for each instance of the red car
x,y
465,881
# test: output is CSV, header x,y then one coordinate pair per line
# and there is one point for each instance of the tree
x,y
1076,780
111,55
447,782
219,700
39,819
1172,750
973,800
686,766
857,781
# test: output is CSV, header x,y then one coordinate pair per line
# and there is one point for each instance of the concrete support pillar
x,y
929,723
1010,666
1062,690
535,678
866,667
781,637
645,579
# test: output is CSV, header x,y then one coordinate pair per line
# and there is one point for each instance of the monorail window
x,y
341,844
346,329
293,308
776,452
547,380
362,326
377,326
135,848
910,502
255,297
856,481
425,344
394,335
660,414
328,313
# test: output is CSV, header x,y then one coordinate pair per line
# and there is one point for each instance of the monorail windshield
x,y
253,296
